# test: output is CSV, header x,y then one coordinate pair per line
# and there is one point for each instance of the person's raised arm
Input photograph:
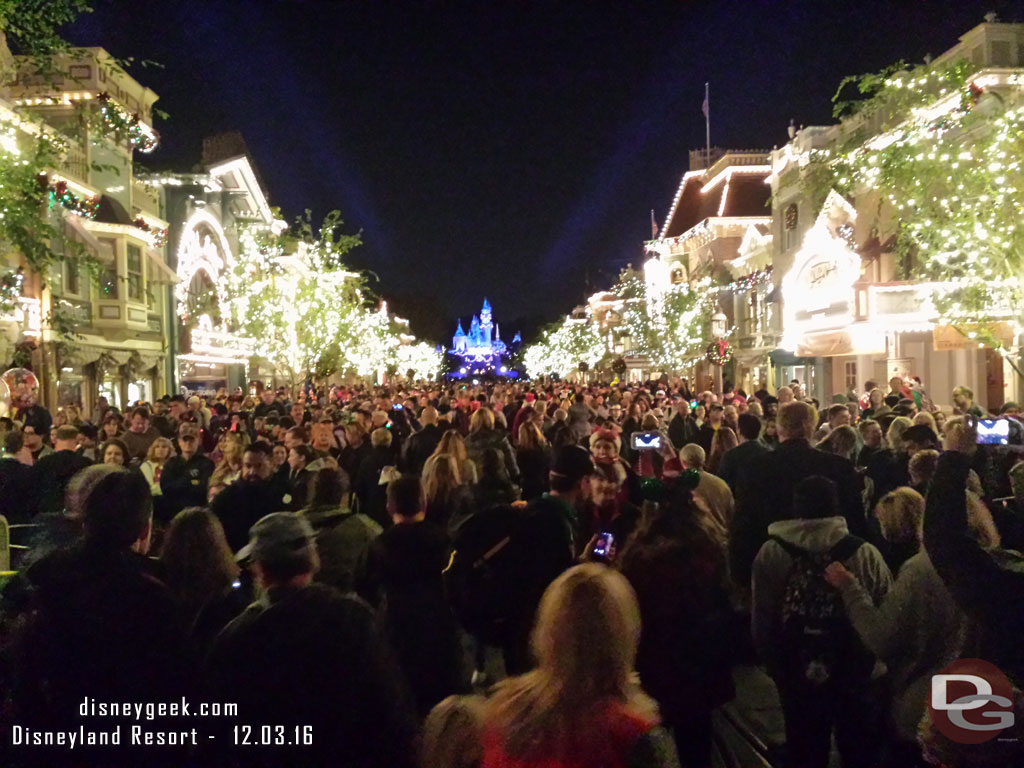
x,y
985,583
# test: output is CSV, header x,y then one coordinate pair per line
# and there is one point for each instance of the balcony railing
x,y
75,164
80,312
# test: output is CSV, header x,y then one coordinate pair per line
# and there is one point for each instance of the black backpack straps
x,y
791,549
846,547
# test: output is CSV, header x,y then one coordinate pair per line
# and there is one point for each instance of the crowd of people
x,y
511,574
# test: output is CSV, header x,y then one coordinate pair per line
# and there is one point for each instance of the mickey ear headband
x,y
653,489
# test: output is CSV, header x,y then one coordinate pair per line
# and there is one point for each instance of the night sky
x,y
506,149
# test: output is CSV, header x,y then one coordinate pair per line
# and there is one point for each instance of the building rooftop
x,y
734,186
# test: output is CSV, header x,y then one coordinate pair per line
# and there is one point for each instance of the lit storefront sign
x,y
819,292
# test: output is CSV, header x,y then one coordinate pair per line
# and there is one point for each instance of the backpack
x,y
818,642
483,575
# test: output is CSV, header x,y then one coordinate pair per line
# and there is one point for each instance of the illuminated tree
x,y
944,157
563,347
670,329
307,313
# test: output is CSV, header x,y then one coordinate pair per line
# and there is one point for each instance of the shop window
x,y
140,390
109,389
790,225
850,377
108,283
134,272
72,277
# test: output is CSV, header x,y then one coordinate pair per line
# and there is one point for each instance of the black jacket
x,y
401,576
682,430
298,487
371,496
888,470
704,437
534,470
765,495
311,657
242,503
15,485
102,627
50,478
419,446
185,482
988,585
262,410
737,461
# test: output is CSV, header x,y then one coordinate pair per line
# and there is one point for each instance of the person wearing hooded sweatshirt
x,y
824,683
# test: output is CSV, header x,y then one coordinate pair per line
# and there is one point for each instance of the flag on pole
x,y
706,109
654,226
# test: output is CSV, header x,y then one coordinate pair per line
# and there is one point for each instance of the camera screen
x,y
603,544
993,432
646,441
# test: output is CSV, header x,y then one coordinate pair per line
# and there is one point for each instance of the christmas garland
x,y
87,207
159,235
126,126
752,280
719,352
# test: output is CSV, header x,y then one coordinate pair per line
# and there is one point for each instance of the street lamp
x,y
718,321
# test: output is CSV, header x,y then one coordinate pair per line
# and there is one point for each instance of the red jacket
x,y
608,743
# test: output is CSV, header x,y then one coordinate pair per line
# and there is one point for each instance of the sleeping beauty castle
x,y
482,347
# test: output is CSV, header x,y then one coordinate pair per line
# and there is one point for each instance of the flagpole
x,y
707,123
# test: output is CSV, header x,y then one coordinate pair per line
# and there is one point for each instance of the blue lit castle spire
x,y
482,348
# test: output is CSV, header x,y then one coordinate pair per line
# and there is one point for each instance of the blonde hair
x,y
159,442
441,477
355,433
901,515
530,435
380,437
232,449
452,442
928,420
922,466
842,441
452,733
894,435
981,524
483,418
549,712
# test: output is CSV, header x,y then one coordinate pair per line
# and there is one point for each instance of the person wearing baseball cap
x,y
548,546
280,660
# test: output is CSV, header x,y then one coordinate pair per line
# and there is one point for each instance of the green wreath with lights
x,y
719,352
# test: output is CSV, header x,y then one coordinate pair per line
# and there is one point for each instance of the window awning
x,y
159,272
79,232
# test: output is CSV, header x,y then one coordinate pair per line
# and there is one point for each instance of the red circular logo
x,y
971,701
